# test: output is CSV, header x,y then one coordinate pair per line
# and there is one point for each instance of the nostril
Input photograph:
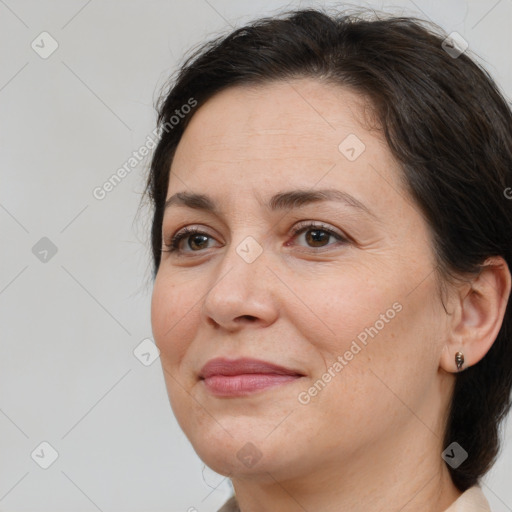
x,y
246,317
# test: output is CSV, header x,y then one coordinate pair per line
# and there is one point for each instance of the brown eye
x,y
317,235
197,240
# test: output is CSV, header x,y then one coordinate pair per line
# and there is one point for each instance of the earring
x,y
459,360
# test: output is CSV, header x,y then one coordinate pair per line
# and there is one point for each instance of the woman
x,y
331,240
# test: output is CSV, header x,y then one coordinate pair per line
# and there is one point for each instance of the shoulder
x,y
230,506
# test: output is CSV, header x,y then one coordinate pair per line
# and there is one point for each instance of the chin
x,y
235,440
271,463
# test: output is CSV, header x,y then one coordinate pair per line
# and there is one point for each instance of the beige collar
x,y
472,500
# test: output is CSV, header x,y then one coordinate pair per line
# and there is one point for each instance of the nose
x,y
243,290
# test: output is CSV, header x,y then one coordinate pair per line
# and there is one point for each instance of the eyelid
x,y
182,233
300,225
304,226
312,224
172,243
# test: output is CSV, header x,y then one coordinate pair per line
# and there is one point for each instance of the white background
x,y
68,375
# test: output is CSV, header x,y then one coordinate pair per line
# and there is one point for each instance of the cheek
x,y
371,326
378,381
338,309
173,323
171,313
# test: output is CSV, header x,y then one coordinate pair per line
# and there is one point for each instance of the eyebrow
x,y
281,201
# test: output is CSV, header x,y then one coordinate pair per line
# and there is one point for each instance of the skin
x,y
372,438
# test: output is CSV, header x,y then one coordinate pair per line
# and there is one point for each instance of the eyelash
x,y
173,245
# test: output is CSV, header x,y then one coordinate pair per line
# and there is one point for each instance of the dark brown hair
x,y
445,122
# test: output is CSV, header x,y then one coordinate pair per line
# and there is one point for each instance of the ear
x,y
478,315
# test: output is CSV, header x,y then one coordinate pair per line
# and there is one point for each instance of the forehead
x,y
305,133
294,114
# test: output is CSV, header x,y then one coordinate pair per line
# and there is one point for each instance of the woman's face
x,y
348,306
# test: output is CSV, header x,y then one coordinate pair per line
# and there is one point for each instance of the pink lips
x,y
240,377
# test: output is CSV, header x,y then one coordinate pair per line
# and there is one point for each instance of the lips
x,y
239,377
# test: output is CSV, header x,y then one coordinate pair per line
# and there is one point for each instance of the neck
x,y
396,475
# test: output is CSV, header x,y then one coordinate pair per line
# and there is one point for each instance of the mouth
x,y
241,377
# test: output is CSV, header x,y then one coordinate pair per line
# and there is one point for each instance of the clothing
x,y
230,506
472,500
